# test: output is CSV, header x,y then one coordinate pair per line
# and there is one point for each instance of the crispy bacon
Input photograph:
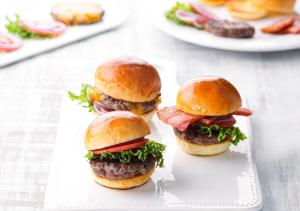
x,y
295,28
243,112
176,118
279,26
181,120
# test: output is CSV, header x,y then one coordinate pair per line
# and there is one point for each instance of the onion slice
x,y
100,108
203,12
190,18
9,43
53,28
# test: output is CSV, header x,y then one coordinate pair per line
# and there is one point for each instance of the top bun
x,y
129,79
114,128
208,96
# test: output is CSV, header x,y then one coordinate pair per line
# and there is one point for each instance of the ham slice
x,y
181,120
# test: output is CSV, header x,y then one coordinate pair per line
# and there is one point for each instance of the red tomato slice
x,y
43,28
8,43
121,147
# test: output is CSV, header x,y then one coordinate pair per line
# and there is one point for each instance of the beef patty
x,y
115,104
114,170
192,135
225,28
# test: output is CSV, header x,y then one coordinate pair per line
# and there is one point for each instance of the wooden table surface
x,y
31,94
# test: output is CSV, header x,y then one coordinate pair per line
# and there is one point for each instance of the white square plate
x,y
112,18
224,182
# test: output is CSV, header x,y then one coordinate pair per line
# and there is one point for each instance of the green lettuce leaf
x,y
82,98
151,148
170,14
13,26
222,133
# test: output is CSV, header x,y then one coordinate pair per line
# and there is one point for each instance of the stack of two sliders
x,y
127,94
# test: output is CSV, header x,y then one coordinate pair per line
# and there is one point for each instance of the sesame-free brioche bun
x,y
201,149
129,79
114,128
123,184
208,96
77,13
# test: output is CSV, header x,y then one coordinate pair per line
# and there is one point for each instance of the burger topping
x,y
89,97
137,108
181,120
141,153
123,146
213,134
193,127
115,170
8,43
34,29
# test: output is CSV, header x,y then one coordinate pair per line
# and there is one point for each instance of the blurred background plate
x,y
40,10
224,182
259,43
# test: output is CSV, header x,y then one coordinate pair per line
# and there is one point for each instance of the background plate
x,y
260,43
224,182
113,17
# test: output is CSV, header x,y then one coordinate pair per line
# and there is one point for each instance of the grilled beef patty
x,y
225,28
115,104
192,135
114,170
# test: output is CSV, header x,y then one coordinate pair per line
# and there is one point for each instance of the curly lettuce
x,y
222,133
82,97
170,14
13,26
141,153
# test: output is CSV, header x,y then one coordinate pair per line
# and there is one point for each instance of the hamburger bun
x,y
208,96
123,183
129,79
201,149
276,6
213,2
75,13
114,128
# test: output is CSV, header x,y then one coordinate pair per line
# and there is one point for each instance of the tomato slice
x,y
43,28
123,146
9,43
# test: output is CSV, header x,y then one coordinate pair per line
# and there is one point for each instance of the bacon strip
x,y
181,120
243,112
295,28
280,26
176,118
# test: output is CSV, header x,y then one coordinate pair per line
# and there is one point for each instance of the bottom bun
x,y
123,184
201,149
148,116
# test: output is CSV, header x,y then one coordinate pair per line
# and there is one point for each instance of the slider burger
x,y
119,154
203,119
123,84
